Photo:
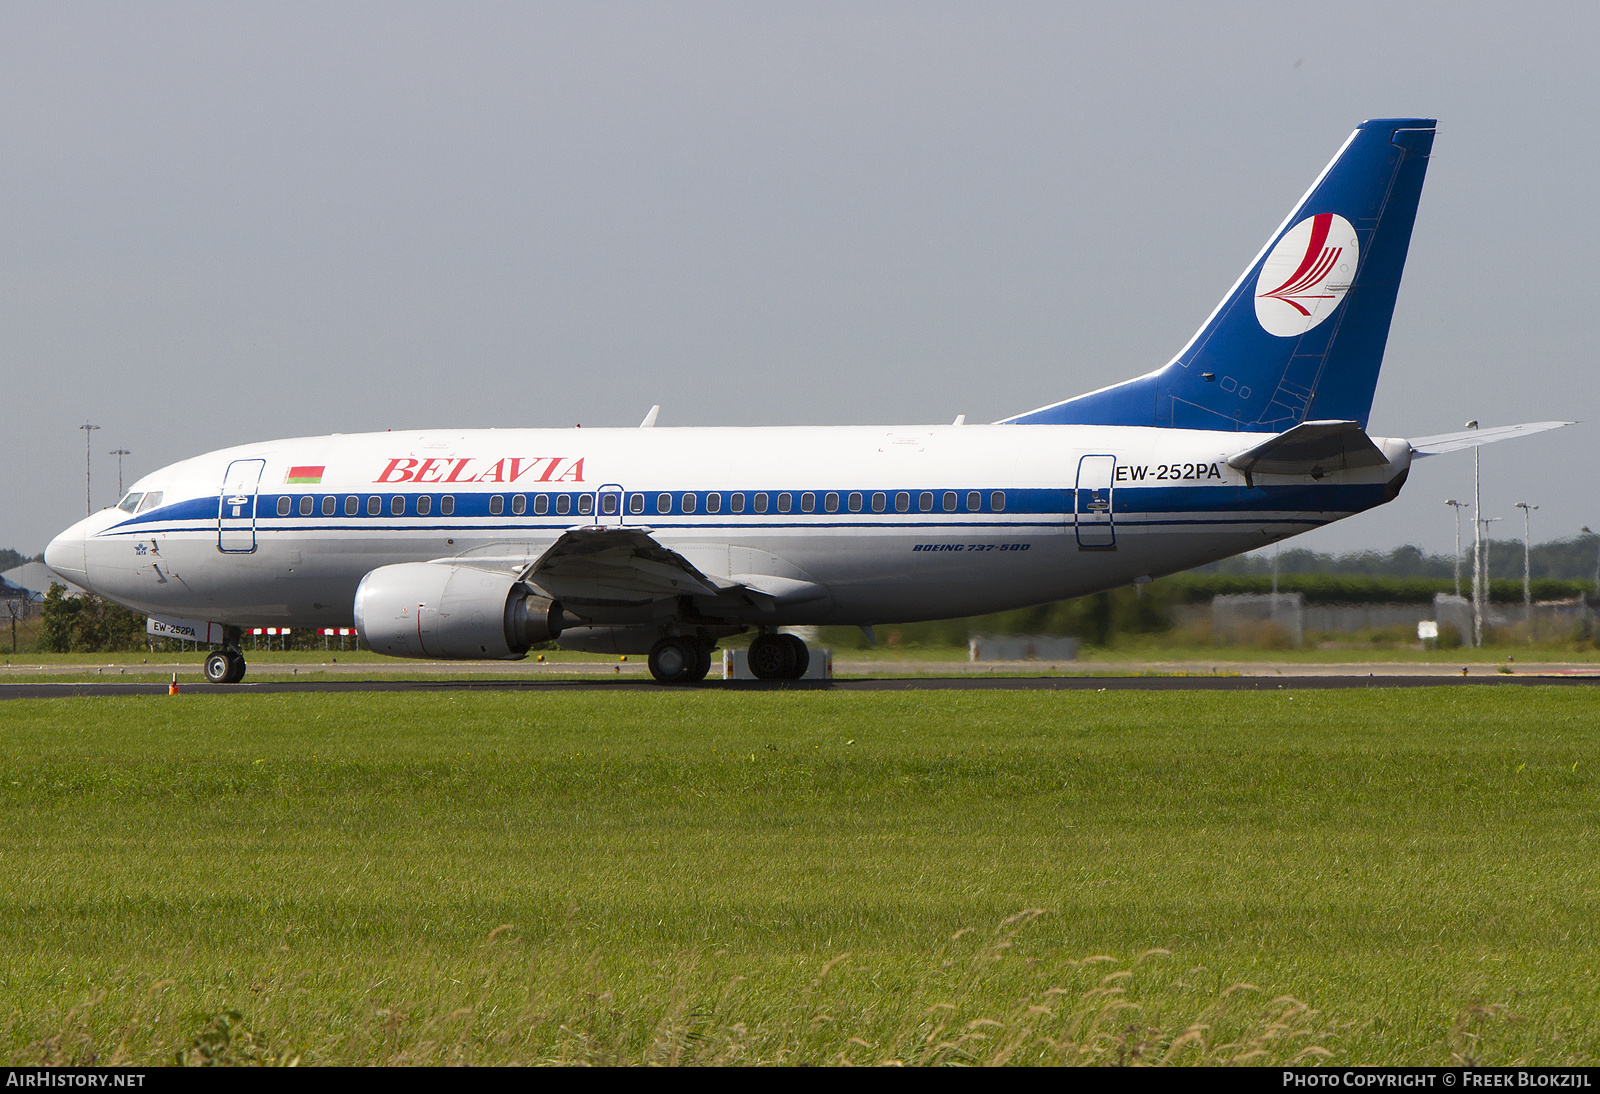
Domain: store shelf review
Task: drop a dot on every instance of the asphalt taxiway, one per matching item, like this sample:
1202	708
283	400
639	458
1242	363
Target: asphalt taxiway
41	689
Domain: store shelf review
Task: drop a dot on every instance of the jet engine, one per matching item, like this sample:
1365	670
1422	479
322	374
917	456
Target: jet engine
433	609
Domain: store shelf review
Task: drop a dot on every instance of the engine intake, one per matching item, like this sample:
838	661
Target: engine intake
433	609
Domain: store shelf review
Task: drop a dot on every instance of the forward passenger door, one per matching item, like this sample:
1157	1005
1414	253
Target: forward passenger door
236	507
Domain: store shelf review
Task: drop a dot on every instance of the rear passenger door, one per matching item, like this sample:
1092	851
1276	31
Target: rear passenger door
1093	512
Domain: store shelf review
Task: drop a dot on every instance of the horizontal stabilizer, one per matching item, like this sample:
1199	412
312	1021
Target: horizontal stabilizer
1472	438
1311	448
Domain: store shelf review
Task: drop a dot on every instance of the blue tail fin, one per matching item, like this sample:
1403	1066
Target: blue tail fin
1300	335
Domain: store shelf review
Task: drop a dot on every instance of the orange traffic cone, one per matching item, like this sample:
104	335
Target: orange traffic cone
172	688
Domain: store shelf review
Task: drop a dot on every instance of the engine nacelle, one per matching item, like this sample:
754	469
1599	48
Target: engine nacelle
433	609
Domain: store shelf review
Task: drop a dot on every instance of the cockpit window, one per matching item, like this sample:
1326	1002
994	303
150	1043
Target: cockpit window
151	500
130	504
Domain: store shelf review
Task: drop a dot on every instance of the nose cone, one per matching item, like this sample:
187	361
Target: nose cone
65	554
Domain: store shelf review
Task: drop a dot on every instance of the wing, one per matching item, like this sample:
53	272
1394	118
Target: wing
621	568
618	574
615	567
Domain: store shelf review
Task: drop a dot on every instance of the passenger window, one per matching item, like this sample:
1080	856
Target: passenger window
374	505
713	503
130	504
830	502
808	502
585	504
330	505
925	501
424	505
997	501
447	505
635	503
563	504
519	504
608	505
397	505
541	504
761	503
663	503
855	503
283	506
736	503
785	503
497	505
878	503
687	502
902	502
306	505
352	505
974	501
949	501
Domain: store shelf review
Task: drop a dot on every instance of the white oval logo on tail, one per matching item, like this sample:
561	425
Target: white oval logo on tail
1306	275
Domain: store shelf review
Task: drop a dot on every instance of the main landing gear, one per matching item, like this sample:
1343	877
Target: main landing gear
779	657
680	659
225	667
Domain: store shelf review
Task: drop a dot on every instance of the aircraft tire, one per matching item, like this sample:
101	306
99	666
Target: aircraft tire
673	660
799	658
219	668
702	662
237	672
770	657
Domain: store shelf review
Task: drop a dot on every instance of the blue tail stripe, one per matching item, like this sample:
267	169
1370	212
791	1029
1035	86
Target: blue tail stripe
1237	375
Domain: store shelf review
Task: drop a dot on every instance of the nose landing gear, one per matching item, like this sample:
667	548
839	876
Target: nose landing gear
225	667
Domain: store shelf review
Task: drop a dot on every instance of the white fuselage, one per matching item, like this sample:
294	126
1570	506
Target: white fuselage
896	523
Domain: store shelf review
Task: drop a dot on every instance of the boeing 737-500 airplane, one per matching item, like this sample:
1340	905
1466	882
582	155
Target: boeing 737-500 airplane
475	544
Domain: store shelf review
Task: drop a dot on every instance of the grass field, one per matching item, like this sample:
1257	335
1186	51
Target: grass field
695	876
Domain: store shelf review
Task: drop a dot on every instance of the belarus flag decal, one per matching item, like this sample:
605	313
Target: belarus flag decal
309	476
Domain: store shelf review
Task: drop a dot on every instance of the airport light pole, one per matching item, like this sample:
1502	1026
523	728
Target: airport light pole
1527	584
119	453
88	438
1483	584
1457	506
1477	542
1591	532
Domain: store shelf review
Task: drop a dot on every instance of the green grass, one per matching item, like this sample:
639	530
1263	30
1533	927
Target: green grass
668	876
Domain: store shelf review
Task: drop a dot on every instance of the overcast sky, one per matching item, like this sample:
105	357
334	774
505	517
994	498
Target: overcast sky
230	222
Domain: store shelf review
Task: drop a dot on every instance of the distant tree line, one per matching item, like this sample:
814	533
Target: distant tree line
10	560
1151	608
1573	559
87	624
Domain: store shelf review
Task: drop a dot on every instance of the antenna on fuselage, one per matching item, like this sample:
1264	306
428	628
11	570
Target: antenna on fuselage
650	418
